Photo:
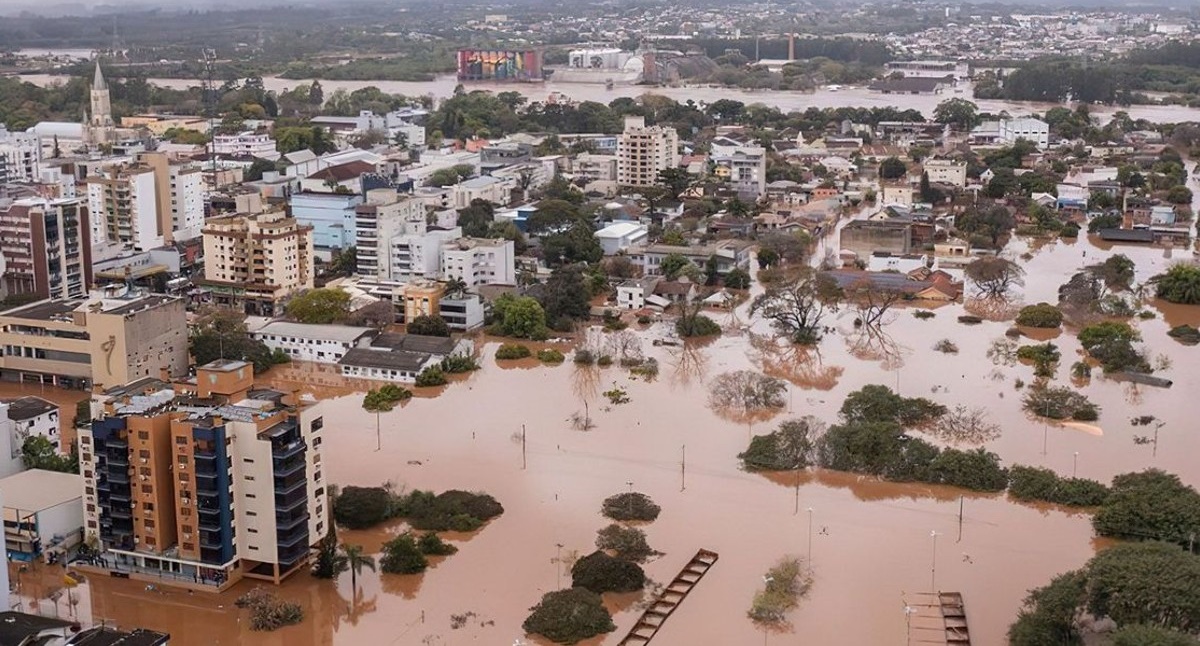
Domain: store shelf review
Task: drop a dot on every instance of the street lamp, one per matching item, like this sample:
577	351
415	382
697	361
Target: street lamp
933	563
909	611
810	521
1075	464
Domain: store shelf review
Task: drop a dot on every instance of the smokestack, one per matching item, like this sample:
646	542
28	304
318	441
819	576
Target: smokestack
791	47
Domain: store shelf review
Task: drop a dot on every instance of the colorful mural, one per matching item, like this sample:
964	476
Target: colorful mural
499	65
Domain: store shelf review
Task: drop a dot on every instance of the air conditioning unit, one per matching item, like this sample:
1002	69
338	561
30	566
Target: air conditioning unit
136	540
144	461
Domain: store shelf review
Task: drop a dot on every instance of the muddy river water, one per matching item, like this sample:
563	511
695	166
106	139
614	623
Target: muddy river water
870	541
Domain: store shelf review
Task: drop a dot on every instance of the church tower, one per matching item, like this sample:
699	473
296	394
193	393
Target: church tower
100	125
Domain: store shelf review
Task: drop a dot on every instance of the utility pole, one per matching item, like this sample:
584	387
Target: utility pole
523	461
683	470
960	516
933	563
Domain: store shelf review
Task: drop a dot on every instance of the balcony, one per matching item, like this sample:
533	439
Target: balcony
296	498
119	476
292	537
117	512
292	555
289	520
211	540
287	468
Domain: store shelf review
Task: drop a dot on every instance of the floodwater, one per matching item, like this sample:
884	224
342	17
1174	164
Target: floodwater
870	541
443	86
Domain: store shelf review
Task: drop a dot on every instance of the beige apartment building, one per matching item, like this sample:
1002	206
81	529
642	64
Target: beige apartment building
46	248
110	338
202	482
145	205
254	262
643	151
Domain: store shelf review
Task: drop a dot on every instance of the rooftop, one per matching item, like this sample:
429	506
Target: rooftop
37	489
620	230
385	358
16	627
29	407
106	636
339	333
223	365
414	343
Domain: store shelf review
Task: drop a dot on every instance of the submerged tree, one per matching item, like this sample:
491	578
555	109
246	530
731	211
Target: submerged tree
796	304
746	392
790	447
994	276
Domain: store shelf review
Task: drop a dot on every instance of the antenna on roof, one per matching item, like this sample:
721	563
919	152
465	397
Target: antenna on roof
210	106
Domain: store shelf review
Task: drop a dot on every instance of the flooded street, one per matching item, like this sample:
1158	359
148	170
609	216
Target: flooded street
443	86
870	540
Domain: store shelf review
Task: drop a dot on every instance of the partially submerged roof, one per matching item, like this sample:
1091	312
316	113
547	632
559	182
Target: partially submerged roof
37	489
29	407
16	627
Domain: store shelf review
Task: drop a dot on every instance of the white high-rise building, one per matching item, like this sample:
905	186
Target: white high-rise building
644	151
479	261
20	156
385	216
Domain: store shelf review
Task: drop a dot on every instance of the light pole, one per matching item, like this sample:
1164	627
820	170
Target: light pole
909	611
558	560
1075	464
810	519
933	562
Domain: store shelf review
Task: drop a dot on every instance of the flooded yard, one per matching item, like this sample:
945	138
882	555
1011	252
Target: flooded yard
870	541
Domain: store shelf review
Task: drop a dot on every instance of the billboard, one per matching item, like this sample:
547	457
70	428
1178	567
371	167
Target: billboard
499	65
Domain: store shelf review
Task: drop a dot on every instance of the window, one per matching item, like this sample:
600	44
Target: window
143	435
144	454
252	530
148	523
251	513
187	529
250	495
181	439
250	477
147	489
91	508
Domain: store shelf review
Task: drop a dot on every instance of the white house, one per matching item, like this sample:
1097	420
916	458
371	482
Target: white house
901	194
400	357
1007	131
316	343
479	261
620	236
33	416
246	144
946	171
631	294
487	188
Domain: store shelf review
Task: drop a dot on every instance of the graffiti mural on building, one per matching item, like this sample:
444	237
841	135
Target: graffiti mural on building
499	65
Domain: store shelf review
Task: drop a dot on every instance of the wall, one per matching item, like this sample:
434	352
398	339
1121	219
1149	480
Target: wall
60	520
254	494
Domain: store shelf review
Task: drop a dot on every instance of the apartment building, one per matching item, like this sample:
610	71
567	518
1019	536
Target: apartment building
479	261
745	168
642	152
144	205
947	171
112	337
246	144
594	167
486	188
20	156
331	215
385	215
419	256
1008	131
46	248
462	312
32	416
728	254
201	483
255	261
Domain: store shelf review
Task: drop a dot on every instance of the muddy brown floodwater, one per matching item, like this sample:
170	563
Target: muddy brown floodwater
870	540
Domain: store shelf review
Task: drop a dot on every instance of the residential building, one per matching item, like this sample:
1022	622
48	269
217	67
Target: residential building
1007	132
946	171
331	216
632	294
246	144
505	153
419	255
594	167
486	188
479	261
203	482
745	168
144	205
100	129
728	254
422	298
315	343
112	337
43	513
407	121
864	238
462	312
400	357
20	156
618	237
46	248
256	261
10	446
644	151
896	194
384	216
32	416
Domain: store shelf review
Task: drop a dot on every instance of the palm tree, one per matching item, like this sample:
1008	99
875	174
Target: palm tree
357	560
378	402
456	286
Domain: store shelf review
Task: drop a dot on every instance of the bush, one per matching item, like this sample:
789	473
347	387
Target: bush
550	355
402	556
946	346
696	325
1111	344
1042	315
428	326
269	612
977	470
457	363
1060	402
626	543
604	361
602	573
1180	284
644	320
630	506
1149	505
970	319
584	357
1146	635
1043	485
569	616
431	544
453	510
784	585
1081	370
362	507
431	376
1185	334
924	315
788	448
512	351
1043	356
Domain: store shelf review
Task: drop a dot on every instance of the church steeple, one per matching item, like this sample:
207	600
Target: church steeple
98	80
100	124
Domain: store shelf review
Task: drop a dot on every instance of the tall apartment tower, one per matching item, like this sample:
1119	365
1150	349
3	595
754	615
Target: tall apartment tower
100	128
385	216
256	261
46	248
144	205
642	152
205	482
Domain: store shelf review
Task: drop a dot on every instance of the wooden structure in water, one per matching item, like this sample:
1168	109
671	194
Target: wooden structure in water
673	594
937	618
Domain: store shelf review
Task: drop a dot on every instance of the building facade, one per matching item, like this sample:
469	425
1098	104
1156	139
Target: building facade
479	261
145	205
316	343
256	261
331	215
20	156
745	168
643	151
46	248
246	144
100	129
202	483
946	171
383	216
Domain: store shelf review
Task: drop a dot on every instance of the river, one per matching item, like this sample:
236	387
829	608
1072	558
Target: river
870	540
443	86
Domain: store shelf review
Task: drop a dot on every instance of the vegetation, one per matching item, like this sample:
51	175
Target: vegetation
1111	343
356	560
977	470
602	573
746	392
431	376
630	506
38	453
401	555
319	306
1150	505
626	543
1042	315
432	545
790	447
737	278
994	276
458	363
695	324
1185	334
520	317
362	507
1043	485
876	403
550	355
452	510
1043	356
428	325
569	616
1059	402
796	305
513	351
221	333
330	561
1180	284
269	612
784	584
